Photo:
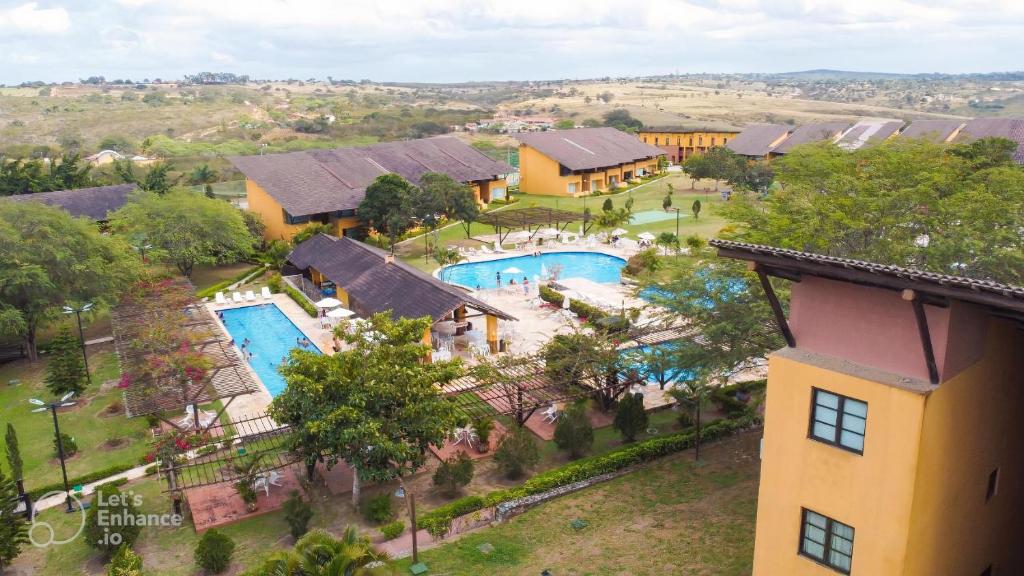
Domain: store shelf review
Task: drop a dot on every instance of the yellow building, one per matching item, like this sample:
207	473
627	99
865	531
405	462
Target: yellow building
582	161
679	143
892	424
289	191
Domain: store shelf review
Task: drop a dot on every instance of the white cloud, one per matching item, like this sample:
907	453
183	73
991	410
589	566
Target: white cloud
30	18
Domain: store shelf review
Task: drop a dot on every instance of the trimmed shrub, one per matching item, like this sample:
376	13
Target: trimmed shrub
298	513
573	432
454	473
301	300
631	418
69	444
214	551
274	283
378	509
516	453
207	292
108	523
125	563
551	296
643	261
392	530
733	400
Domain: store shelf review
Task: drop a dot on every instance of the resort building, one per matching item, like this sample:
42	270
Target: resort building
816	132
582	161
868	131
95	203
892	421
935	130
679	143
757	140
293	189
368	280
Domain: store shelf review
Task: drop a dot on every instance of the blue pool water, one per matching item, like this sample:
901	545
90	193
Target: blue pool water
590	265
271	337
635	358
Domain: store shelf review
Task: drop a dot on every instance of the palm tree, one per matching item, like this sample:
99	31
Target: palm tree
318	553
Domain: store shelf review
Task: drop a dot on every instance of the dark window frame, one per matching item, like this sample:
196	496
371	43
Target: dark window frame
839	422
829	522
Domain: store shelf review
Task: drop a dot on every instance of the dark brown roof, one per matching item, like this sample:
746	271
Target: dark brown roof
816	132
375	285
937	130
985	292
1009	128
757	139
93	203
317	181
589	148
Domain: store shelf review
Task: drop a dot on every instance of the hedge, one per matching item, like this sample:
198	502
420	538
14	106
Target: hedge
301	300
83	480
725	396
438	521
580	309
549	295
210	291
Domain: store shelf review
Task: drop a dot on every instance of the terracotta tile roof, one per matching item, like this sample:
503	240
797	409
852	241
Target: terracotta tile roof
937	130
589	148
316	181
987	292
816	132
93	203
375	285
757	139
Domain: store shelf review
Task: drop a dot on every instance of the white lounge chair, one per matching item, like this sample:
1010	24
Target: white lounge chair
275	478
486	250
236	298
188	421
220	299
250	296
551	414
265	292
261	482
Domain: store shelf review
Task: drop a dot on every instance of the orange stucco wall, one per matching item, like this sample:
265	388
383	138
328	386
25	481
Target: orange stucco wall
269	210
539	174
679	146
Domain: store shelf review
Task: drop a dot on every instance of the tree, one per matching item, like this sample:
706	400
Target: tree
516	453
565	124
377	406
13	532
465	208
157	178
666	202
309	231
718	163
445	257
65	372
186	228
13	454
573	432
276	254
298	513
388	205
47	259
109	522
117	143
621	119
25	177
319	553
630	418
692	396
202	174
607	206
125	563
695	207
214	550
454	473
667	240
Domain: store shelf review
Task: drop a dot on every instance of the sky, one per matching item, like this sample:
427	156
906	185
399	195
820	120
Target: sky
475	40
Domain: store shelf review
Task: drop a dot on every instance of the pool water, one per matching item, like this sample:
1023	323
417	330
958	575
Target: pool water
271	337
635	358
593	266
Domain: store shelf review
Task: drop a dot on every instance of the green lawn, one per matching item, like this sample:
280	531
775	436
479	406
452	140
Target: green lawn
647	202
673	517
103	440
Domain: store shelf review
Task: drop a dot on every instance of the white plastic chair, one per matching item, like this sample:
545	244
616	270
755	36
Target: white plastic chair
265	292
236	298
551	414
220	299
250	296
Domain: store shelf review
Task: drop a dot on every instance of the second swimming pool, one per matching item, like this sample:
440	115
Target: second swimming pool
593	266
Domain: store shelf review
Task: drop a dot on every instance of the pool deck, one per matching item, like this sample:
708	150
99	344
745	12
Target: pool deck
256	403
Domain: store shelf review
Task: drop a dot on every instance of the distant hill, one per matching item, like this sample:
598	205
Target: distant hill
827	74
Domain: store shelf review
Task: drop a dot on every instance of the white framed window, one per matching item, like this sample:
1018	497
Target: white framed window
572	188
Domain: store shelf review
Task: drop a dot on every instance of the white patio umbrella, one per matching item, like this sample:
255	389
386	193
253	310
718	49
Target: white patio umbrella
340	313
619	232
547	232
328	303
519	236
645	236
511	271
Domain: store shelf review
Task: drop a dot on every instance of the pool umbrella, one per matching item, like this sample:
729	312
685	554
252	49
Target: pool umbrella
520	236
619	232
340	313
511	271
328	303
645	236
547	232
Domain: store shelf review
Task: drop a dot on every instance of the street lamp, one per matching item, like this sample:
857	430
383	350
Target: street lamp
81	336
141	249
677	223
52	407
401	493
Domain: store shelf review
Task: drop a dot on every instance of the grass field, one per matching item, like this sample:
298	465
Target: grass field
673	517
647	201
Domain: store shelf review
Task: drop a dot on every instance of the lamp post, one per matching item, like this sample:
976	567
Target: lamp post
402	492
81	336
677	223
52	407
141	249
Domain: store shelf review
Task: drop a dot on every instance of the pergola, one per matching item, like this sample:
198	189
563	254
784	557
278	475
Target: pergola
518	390
226	378
532	219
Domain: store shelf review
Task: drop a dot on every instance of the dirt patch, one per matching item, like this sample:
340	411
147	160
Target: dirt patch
113	409
113	443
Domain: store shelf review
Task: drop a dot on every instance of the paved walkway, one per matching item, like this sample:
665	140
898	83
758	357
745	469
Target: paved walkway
402	546
58	499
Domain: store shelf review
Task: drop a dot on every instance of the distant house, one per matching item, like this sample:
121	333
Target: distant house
582	161
680	142
935	130
815	132
758	140
291	190
1009	128
110	156
368	280
95	203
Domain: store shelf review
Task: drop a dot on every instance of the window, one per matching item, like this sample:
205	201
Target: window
289	219
700	140
691	141
712	140
572	188
993	485
838	420
826	541
655	140
628	175
645	139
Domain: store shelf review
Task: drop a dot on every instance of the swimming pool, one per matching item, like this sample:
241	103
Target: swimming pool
271	337
654	367
593	266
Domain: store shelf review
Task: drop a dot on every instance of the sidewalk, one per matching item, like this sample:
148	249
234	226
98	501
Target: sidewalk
402	546
55	500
